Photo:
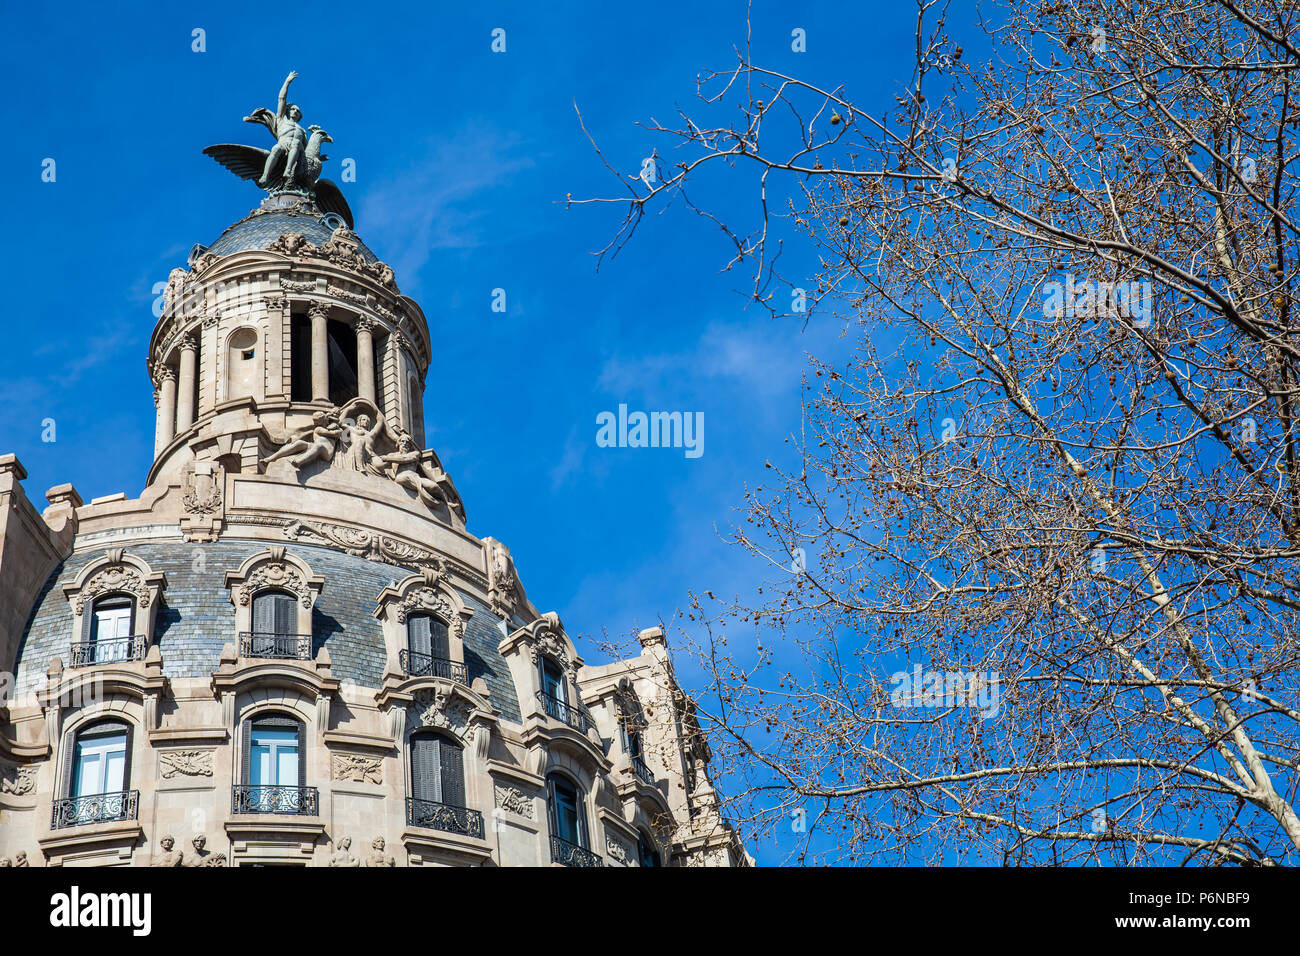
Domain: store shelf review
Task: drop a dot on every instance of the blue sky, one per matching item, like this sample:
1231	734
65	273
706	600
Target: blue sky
464	158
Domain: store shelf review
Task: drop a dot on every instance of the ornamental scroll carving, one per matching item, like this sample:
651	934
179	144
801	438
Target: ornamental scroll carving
357	768
115	578
185	763
514	801
279	576
17	780
617	850
427	599
437	708
341	249
363	544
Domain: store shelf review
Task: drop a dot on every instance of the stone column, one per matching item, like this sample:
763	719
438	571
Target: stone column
366	359
320	352
166	406
189	362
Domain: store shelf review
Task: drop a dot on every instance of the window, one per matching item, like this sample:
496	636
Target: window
300	357
274	767
109	638
437	770
243	372
342	343
553	681
567	821
427	638
275	623
645	851
96	774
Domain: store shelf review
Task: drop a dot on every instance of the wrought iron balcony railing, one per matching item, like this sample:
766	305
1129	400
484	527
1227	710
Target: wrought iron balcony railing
440	816
567	713
415	664
106	650
275	645
95	808
570	854
642	771
294	800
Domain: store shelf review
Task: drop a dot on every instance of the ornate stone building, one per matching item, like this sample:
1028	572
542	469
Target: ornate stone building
290	649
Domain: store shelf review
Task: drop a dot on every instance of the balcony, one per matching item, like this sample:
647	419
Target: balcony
302	801
273	645
642	771
570	854
565	713
96	808
440	816
415	664
111	650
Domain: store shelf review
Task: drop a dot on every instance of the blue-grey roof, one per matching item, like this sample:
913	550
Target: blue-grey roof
196	618
260	230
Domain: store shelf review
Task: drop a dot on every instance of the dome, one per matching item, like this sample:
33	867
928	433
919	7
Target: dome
269	222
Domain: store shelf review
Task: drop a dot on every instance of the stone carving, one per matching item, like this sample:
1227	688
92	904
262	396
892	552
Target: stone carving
202	857
617	850
514	801
427	599
113	578
17	780
358	768
438	708
377	856
202	504
290	286
185	763
411	469
343	855
169	855
293	165
20	860
502	581
276	303
279	576
363	544
321	440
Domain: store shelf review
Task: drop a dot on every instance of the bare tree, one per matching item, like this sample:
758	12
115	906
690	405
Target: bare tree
1036	548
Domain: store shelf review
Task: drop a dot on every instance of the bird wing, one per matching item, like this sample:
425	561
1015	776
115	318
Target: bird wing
330	198
266	118
246	162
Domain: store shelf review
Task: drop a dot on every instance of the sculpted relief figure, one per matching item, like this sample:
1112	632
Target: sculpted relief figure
377	856
314	442
169	856
343	855
201	855
359	438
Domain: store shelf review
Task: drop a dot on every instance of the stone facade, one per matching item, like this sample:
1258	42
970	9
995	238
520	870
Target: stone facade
280	471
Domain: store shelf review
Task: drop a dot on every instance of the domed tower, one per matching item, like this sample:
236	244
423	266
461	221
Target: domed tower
291	641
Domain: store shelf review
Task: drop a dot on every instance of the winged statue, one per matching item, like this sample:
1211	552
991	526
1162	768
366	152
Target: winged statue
293	164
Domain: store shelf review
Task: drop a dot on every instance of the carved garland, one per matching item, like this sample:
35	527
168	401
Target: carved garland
185	763
111	579
440	709
514	801
275	575
427	599
363	544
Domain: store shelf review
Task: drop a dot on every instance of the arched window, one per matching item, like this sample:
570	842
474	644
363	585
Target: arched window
275	623
568	819
273	767
108	636
429	646
437	800
242	367
646	851
96	776
553	683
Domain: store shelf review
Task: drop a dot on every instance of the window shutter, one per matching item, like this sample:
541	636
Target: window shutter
246	753
419	636
69	752
286	620
87	623
453	774
425	768
263	613
302	753
439	640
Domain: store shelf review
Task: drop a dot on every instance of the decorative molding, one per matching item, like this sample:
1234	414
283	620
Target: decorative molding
115	577
275	573
357	767
617	850
290	286
439	708
185	763
17	780
514	801
363	544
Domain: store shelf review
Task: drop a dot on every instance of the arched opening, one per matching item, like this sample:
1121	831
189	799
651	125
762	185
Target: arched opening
108	633
275	628
97	776
646	853
242	364
428	643
273	767
568	819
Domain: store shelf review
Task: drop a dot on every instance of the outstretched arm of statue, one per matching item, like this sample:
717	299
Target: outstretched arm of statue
282	103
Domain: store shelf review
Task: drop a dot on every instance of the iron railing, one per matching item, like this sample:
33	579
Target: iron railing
570	854
275	645
95	808
642	771
441	816
304	801
415	664
106	650
567	713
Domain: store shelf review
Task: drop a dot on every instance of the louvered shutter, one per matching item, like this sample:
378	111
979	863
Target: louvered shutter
425	782
419	637
246	753
453	774
439	640
263	614
286	621
302	753
69	753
